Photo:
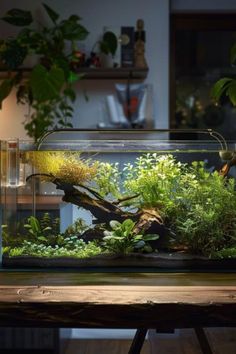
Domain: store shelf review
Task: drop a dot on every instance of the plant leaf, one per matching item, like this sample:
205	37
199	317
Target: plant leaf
42	238
114	224
232	92
104	47
18	17
111	40
127	226
70	93
73	77
233	54
72	30
46	85
220	87
150	237
5	90
13	54
74	18
51	13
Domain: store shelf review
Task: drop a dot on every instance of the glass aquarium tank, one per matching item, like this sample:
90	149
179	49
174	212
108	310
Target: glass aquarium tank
119	199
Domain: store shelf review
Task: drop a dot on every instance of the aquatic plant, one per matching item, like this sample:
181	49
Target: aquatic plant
5	235
153	177
198	206
108	179
123	239
34	228
225	253
82	250
77	228
45	230
206	221
66	166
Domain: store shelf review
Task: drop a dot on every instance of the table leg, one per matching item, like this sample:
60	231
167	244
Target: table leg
138	341
203	341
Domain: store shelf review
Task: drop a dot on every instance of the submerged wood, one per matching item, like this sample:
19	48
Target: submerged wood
103	210
225	169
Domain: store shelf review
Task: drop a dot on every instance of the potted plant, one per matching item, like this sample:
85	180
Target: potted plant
226	85
108	47
48	88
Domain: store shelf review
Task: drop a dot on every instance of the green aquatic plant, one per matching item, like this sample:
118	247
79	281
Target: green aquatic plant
108	179
45	240
224	253
35	229
78	227
48	221
157	180
206	221
198	206
5	235
63	165
45	230
82	250
123	239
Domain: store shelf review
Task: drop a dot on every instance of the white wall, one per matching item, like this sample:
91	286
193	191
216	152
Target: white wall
155	14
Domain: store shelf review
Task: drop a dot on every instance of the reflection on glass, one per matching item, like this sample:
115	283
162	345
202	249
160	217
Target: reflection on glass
201	58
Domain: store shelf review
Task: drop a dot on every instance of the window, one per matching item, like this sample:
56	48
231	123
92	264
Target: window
200	55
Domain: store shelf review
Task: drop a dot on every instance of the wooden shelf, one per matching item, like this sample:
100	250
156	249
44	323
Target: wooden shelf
114	73
100	73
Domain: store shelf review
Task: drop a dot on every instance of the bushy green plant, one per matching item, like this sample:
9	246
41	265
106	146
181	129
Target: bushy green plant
48	90
207	218
198	206
156	179
34	228
48	221
44	230
77	228
108	179
122	239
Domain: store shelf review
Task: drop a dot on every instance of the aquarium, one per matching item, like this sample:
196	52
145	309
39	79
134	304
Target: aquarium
119	199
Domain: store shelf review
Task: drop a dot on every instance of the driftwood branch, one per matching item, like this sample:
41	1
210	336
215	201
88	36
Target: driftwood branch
225	169
103	210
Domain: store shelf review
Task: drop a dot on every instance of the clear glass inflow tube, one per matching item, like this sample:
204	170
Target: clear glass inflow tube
15	169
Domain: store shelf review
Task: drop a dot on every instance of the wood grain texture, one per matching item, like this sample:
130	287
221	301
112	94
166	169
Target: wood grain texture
119	304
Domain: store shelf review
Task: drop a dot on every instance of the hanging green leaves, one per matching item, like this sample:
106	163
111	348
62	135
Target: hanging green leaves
18	17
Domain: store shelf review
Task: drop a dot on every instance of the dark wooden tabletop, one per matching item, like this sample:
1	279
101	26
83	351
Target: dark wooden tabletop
117	300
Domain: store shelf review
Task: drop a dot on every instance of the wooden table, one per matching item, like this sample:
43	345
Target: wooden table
117	300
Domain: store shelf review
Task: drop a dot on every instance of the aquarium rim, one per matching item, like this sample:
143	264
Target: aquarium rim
212	133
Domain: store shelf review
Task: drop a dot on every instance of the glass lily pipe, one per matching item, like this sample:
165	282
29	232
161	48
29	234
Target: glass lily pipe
123	199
